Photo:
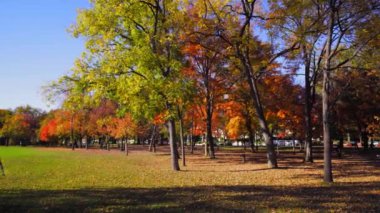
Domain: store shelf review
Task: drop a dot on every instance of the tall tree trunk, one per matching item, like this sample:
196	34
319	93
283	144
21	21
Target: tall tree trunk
327	167
340	146
209	138
126	147
152	146
181	137
255	140
209	112
307	109
248	124
86	142
364	138
72	132
271	155
173	145
192	144
108	143
160	139
206	144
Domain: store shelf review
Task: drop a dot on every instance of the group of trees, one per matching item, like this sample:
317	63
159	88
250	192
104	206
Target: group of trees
20	126
223	68
80	127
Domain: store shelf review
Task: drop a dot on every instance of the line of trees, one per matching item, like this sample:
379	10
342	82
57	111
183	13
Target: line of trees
227	68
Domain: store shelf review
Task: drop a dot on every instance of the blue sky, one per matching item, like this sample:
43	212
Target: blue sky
35	47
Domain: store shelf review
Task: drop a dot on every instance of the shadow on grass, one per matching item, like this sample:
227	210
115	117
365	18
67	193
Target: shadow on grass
349	197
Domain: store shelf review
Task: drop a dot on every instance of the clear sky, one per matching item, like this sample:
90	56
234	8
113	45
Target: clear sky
35	47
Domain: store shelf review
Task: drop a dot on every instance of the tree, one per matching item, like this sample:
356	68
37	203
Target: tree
133	57
344	18
302	22
4	115
209	76
48	130
329	36
353	110
253	56
22	126
123	128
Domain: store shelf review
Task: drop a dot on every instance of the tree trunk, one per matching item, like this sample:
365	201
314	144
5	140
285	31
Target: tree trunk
327	167
209	138
192	144
257	144
271	155
364	138
152	146
307	110
160	139
107	143
72	132
126	147
209	112
248	124
87	142
206	145
340	146
137	140
181	138
173	145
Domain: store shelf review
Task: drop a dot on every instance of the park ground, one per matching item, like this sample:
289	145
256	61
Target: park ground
61	180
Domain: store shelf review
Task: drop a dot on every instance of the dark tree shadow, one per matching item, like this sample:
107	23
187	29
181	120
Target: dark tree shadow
347	197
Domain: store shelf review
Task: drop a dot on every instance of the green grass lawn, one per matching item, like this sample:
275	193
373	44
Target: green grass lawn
48	179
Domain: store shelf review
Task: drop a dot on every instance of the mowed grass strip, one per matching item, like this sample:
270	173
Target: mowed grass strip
51	179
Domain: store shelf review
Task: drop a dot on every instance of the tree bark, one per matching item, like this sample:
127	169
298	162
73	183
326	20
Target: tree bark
72	132
107	143
364	138
327	167
152	145
87	142
192	135
340	146
173	145
126	147
307	110
248	124
161	141
209	112
271	155
181	138
209	138
206	144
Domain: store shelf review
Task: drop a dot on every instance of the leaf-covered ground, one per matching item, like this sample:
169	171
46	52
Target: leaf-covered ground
57	179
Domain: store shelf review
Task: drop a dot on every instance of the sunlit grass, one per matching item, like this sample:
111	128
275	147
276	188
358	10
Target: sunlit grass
110	181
